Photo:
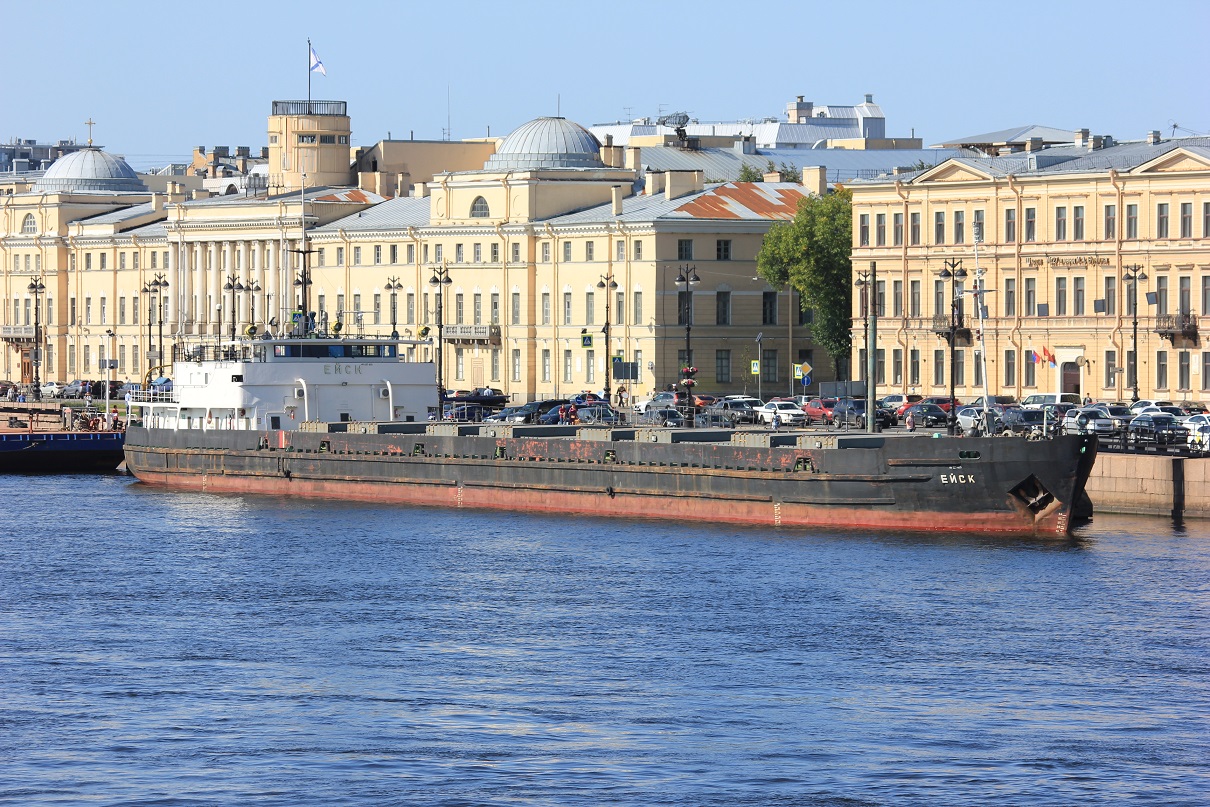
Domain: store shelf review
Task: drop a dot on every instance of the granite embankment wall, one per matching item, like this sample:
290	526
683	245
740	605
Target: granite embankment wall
1152	484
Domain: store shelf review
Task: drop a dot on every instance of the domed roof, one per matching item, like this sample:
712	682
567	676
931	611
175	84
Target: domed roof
90	170
548	143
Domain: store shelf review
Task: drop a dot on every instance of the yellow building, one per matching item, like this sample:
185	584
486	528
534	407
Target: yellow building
1057	237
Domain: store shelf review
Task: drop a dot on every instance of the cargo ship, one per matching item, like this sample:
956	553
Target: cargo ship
350	419
54	452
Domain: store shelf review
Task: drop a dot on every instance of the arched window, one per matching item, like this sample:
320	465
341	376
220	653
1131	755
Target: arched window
479	208
28	225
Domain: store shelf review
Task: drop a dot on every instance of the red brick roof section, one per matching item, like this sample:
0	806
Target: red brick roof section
746	200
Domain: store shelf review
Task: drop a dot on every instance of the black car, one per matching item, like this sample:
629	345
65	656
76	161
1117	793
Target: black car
926	415
530	412
1159	428
1025	421
851	412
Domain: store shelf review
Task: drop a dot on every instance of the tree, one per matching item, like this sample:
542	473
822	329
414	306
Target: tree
789	173
811	253
749	174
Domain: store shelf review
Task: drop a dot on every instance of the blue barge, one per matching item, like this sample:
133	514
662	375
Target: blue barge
60	452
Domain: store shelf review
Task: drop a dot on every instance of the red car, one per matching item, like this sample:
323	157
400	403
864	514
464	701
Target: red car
819	409
941	400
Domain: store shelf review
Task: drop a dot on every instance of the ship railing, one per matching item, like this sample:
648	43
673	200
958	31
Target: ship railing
152	396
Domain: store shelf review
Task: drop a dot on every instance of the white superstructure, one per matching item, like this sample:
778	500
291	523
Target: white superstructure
282	382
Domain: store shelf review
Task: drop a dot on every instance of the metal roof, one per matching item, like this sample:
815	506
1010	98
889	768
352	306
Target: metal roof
843	165
393	214
1017	134
120	215
742	201
547	143
90	170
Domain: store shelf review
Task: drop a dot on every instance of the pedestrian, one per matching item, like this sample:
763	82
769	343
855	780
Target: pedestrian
910	421
775	422
1088	400
572	416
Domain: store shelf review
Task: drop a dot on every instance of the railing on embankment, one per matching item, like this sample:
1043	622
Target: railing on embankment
1152	484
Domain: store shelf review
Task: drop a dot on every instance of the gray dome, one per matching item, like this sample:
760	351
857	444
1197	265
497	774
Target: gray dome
548	143
90	170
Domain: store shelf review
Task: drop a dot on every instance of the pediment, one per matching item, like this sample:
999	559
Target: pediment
952	171
1178	160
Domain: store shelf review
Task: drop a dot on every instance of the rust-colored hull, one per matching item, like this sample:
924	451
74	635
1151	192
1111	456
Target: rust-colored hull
893	484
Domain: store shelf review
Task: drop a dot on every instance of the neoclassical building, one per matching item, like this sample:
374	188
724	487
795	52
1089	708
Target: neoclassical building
1063	239
541	266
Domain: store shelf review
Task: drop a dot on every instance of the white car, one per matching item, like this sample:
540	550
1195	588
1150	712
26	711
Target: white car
658	401
789	413
51	389
1199	437
1088	421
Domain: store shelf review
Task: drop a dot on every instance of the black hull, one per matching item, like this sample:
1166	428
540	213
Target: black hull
894	482
60	452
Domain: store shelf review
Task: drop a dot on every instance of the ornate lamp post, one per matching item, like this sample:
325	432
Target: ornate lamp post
252	287
439	280
953	272
233	285
687	274
393	286
1133	275
155	287
868	283
302	282
609	285
37	287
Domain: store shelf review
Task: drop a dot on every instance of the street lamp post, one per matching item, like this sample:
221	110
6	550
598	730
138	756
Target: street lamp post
302	282
252	287
1134	275
393	286
953	272
687	274
868	283
37	287
439	280
233	285
609	285
110	364
155	287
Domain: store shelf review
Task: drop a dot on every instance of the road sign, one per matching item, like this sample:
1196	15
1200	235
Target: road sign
797	371
806	368
756	368
806	381
585	340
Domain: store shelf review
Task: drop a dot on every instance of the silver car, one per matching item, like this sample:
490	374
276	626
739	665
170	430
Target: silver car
1090	420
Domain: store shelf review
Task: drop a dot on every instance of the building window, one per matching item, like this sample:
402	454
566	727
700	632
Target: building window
684	249
768	365
590	250
459	363
1184	293
880	230
1111	296
897	366
516	252
1060	223
939	227
638	250
1031	297
621	251
637	300
590	366
1132	223
914	298
863	230
546	308
516	364
722	249
914	367
897	229
411	253
769	308
459	255
684	308
546	252
1205	231
479	208
357	256
1161	221
1060	297
1077	222
1111	222
1161	369
546	365
567	252
516	308
1031	224
495	364
1131	369
567	308
959	227
619	308
377	309
1186	224
938	368
477	309
103	261
121	261
377	253
1161	296
1010	368
722	308
495	308
915	229
121	310
1111	369
722	366
410	309
1077	296
590	308
897	298
477	253
1010	297
395	253
566	366
340	256
1031	368
29	226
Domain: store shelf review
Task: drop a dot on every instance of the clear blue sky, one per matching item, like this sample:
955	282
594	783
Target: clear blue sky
161	78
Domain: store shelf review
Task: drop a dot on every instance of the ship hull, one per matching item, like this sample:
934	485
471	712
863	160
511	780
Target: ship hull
894	483
60	452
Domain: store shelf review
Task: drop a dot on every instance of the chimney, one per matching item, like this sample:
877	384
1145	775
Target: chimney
242	151
157	201
1081	138
618	194
655	183
771	176
1097	142
420	190
815	180
1034	144
264	152
201	193
869	99
1153	137
632	158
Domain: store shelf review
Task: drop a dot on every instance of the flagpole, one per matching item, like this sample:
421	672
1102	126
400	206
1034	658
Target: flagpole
309	71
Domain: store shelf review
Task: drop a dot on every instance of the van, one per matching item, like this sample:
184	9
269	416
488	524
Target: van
1038	400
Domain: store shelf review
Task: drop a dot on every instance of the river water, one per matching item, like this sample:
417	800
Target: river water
186	649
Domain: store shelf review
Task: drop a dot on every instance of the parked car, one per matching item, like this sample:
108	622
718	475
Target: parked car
133	387
1193	407
530	412
660	399
788	412
994	400
1138	406
704	399
1038	400
600	413
76	389
898	401
852	412
1199	438
819	410
465	412
1025	422
926	415
1120	415
1089	420
713	419
737	410
51	389
941	400
664	416
970	417
506	415
1158	428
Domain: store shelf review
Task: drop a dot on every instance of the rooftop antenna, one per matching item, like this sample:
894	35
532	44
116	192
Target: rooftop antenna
90	123
558	105
449	132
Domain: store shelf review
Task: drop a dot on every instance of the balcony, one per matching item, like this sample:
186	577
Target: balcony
1177	326
472	333
17	333
943	326
326	108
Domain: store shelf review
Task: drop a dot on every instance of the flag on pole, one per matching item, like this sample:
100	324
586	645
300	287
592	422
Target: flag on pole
316	64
